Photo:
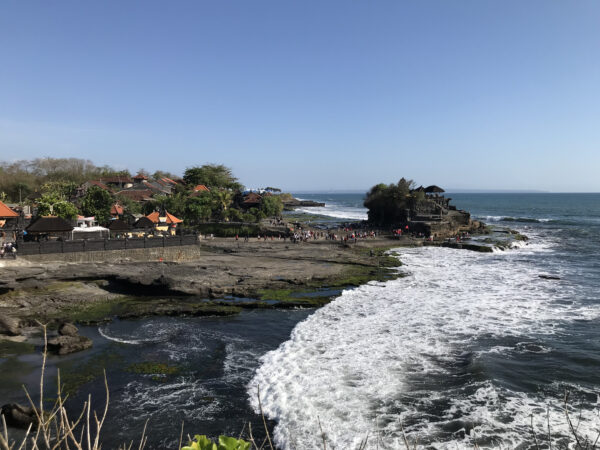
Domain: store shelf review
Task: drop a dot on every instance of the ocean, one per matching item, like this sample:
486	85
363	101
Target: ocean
467	348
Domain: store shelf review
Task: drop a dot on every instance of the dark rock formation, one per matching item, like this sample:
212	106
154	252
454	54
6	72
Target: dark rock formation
19	416
68	329
295	203
9	326
549	277
64	345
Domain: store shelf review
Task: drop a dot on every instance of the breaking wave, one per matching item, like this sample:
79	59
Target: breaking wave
415	354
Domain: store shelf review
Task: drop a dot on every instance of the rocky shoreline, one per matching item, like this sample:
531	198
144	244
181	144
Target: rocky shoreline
229	277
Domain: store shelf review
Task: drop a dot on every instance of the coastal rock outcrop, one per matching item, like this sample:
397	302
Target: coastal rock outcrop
549	277
63	345
68	329
19	416
9	326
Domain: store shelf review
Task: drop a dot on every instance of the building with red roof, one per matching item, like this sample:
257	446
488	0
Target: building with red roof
6	212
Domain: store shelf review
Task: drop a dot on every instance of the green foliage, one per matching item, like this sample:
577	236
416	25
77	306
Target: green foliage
225	443
129	205
175	204
229	229
21	178
97	202
235	215
63	189
56	205
198	209
163	174
387	204
271	205
213	176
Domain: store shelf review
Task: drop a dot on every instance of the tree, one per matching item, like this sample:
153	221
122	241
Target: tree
97	202
53	204
213	176
132	207
198	209
388	204
163	174
271	205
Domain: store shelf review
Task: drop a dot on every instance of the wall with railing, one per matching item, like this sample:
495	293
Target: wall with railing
95	245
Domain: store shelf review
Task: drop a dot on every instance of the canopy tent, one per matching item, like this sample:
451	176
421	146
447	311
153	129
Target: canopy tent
93	232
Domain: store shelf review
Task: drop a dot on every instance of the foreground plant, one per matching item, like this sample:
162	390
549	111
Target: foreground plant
224	443
53	429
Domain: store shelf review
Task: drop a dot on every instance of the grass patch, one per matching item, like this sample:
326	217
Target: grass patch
353	275
12	348
158	371
300	296
94	313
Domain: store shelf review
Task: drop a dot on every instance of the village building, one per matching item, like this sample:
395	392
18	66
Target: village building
164	222
88	228
251	200
117	182
119	229
116	210
49	228
81	190
136	195
143	226
9	221
139	179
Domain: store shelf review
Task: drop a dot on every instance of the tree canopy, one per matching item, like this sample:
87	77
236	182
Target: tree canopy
213	176
388	204
271	205
97	202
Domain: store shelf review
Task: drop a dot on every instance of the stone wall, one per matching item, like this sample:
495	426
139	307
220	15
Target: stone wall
177	254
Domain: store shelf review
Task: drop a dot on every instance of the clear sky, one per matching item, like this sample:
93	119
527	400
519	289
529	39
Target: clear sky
310	94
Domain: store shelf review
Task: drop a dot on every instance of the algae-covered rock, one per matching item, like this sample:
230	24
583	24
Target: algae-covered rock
67	329
64	345
9	326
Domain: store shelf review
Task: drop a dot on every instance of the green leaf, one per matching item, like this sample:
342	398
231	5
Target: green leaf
229	443
201	443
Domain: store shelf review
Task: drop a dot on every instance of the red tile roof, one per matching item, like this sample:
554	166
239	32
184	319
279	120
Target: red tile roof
6	212
100	184
117	179
170	217
136	195
201	187
252	198
116	210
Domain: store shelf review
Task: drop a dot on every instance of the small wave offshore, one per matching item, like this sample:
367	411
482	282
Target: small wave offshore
409	356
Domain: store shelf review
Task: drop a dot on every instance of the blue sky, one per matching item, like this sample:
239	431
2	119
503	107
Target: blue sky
310	94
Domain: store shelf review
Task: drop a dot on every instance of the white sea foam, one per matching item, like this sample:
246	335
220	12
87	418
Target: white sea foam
182	395
384	355
146	333
336	210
